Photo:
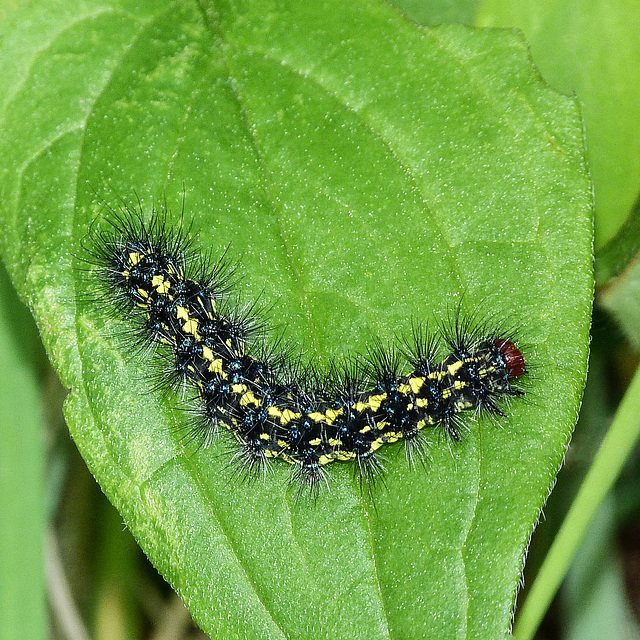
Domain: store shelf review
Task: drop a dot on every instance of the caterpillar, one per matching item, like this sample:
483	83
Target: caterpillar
274	406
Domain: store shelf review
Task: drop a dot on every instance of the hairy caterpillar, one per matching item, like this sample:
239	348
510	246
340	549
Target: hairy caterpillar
275	407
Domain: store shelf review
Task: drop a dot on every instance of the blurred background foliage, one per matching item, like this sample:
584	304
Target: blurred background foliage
79	582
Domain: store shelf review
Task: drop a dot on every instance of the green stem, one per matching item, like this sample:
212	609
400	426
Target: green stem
612	454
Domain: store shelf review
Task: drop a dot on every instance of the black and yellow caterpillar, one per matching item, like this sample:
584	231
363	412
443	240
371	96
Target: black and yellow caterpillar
274	408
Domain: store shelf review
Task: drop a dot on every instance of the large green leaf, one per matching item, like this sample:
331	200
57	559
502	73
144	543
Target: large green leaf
591	47
365	172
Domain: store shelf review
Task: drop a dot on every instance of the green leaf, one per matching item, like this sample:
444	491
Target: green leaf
621	252
366	173
621	297
592	48
435	12
22	462
617	273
